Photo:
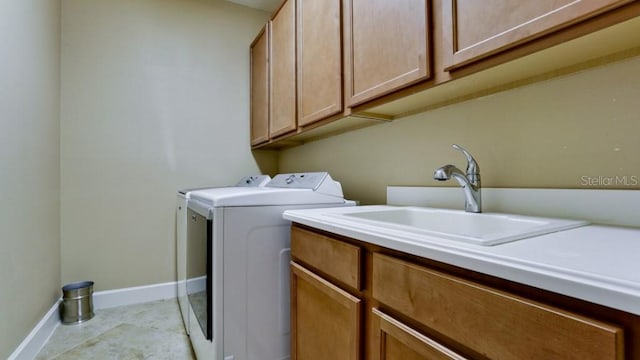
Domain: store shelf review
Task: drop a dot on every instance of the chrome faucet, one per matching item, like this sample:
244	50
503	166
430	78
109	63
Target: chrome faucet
470	182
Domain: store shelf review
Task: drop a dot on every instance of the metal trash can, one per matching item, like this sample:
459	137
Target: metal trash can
77	302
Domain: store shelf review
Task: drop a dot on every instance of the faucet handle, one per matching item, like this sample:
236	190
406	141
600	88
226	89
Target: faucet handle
472	165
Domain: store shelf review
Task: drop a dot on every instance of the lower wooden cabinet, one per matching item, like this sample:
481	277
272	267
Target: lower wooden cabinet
491	322
405	308
396	340
336	259
325	319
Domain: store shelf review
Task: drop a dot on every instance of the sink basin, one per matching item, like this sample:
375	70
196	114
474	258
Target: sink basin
477	228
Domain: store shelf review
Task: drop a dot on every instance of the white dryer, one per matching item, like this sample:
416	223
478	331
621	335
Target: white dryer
238	281
181	237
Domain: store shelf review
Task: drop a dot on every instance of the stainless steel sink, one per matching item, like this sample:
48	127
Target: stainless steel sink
476	228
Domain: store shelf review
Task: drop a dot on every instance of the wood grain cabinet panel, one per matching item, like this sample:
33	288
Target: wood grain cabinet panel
398	341
259	51
334	258
319	35
282	60
477	29
325	320
495	324
386	46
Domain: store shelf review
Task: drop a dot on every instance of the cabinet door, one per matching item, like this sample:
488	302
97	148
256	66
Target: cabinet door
325	320
282	62
477	29
398	341
260	88
319	60
386	46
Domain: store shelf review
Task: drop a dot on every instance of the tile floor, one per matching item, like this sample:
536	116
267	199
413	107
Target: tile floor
151	330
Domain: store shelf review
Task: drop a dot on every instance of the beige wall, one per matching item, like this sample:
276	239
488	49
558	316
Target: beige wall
570	132
154	98
29	166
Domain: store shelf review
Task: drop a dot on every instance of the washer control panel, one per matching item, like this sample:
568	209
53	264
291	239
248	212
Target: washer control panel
320	182
254	181
310	180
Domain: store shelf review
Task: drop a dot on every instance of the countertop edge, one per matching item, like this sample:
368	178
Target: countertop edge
603	291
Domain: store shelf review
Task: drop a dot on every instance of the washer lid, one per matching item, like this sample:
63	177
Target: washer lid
284	189
262	197
247	181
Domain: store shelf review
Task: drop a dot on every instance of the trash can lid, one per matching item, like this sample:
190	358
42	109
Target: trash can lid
77	285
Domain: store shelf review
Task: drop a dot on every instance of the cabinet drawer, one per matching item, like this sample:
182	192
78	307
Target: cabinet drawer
493	323
335	258
399	341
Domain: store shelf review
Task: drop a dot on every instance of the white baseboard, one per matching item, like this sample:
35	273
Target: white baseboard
31	345
38	337
197	284
134	295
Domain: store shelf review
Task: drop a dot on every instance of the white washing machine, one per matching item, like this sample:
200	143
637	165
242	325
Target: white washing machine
181	237
238	280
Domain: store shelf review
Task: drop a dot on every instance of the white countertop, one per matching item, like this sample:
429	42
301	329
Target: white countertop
596	263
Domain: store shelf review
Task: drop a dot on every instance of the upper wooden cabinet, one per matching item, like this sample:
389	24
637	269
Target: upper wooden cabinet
386	47
282	77
319	60
260	88
331	66
477	29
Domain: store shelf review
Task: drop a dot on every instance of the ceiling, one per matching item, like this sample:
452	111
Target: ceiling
266	5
